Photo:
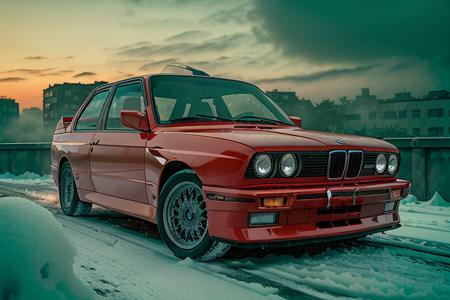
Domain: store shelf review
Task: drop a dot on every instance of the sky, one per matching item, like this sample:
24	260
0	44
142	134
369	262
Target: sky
319	49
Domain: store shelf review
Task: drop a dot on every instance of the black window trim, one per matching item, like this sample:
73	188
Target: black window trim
94	93
106	107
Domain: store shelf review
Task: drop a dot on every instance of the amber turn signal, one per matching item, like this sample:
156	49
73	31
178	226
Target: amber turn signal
396	194
274	201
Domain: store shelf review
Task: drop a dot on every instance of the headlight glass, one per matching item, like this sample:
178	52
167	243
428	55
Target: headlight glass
263	165
288	164
392	164
380	164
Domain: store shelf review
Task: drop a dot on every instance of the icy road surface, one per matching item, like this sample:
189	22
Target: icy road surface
121	257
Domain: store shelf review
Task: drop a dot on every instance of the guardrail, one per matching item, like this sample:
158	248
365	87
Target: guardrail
18	158
425	161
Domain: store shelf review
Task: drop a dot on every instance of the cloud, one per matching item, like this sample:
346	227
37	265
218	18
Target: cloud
84	74
218	44
12	79
157	22
320	75
159	63
57	73
238	14
169	2
29	71
188	35
356	31
38	72
35	57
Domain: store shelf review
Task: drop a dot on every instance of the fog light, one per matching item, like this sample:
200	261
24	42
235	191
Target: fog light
389	206
263	218
273	201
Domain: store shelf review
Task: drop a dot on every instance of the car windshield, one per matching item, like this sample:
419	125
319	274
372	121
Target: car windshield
204	99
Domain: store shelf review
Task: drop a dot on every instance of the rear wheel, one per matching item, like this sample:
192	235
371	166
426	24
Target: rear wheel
71	204
183	219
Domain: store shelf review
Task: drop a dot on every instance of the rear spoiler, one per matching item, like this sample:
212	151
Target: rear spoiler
63	123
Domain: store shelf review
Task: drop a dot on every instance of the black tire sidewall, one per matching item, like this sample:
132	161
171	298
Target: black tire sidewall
205	245
62	179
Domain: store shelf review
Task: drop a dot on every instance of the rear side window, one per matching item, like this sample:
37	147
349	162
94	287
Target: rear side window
88	119
126	97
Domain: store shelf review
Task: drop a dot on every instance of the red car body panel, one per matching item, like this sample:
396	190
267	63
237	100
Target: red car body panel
124	171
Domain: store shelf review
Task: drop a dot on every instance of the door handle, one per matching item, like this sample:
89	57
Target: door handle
95	142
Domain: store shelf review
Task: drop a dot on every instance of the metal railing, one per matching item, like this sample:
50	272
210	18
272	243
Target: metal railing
18	158
425	161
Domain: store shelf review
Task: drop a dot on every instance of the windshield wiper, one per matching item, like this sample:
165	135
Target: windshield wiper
214	117
186	119
198	118
259	119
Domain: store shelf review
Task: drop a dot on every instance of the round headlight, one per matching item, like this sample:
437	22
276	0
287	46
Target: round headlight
392	164
288	165
262	165
380	164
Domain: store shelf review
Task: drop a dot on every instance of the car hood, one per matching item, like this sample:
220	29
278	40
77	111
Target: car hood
279	138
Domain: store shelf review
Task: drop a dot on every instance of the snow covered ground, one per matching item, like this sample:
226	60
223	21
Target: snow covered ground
120	257
36	257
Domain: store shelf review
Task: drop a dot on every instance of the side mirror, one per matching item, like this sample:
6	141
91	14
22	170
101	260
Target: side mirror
134	119
296	120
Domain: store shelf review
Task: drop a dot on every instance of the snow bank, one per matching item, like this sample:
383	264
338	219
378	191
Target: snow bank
26	178
35	256
436	200
425	220
436	205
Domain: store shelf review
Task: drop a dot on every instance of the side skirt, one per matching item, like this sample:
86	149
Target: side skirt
127	207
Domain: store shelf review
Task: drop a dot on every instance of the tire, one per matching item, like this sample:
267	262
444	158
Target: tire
182	206
71	204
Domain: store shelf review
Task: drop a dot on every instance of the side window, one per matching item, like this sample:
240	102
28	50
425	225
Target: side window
88	119
126	97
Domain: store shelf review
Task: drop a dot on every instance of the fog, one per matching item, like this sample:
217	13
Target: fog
27	128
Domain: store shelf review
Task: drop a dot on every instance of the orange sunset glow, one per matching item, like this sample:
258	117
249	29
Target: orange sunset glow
47	42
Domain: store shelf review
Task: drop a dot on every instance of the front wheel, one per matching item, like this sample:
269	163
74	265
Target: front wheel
183	219
71	204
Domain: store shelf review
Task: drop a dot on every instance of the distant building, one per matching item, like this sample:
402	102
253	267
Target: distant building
440	94
290	102
32	112
282	96
401	116
366	97
64	99
403	96
9	111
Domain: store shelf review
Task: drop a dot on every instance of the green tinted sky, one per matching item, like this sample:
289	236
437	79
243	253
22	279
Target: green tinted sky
321	49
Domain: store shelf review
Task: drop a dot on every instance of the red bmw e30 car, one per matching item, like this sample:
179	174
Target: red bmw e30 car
215	163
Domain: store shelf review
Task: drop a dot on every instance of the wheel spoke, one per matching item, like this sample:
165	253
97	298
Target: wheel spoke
186	215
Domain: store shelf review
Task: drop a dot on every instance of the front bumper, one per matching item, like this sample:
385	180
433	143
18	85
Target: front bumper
309	215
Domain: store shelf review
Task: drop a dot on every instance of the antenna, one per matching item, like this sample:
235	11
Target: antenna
183	70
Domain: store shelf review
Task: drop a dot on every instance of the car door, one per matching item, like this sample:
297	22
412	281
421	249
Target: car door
78	142
117	159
